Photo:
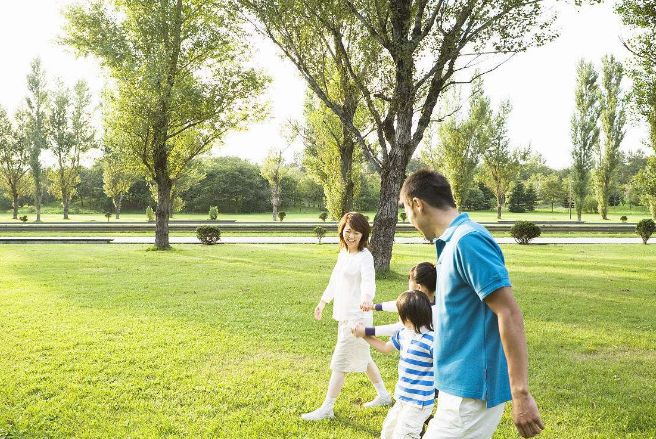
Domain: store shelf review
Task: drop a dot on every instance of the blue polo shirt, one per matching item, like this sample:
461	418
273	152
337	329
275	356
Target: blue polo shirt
469	357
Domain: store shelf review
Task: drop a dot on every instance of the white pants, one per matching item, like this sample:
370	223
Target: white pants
463	418
405	421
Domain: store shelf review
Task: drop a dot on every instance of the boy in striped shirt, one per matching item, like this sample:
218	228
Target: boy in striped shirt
415	391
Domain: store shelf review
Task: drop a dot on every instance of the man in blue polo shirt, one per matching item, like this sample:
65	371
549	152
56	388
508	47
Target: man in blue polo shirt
481	358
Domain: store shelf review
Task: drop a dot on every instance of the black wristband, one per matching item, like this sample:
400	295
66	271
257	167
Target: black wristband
378	307
370	331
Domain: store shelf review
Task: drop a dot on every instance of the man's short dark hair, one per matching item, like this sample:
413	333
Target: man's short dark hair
429	186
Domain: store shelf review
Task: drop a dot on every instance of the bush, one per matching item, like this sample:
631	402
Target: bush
214	213
320	232
524	231
403	216
623	218
150	214
323	216
208	235
282	215
645	228
23	218
590	205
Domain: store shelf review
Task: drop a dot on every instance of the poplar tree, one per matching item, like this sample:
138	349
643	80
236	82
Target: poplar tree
14	159
36	118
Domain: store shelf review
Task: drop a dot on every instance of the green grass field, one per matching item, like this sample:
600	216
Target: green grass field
117	341
52	214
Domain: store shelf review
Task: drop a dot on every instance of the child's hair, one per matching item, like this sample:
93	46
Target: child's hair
414	307
359	223
424	274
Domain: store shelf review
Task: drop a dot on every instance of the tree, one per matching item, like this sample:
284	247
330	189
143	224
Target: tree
640	16
418	46
461	143
117	179
180	82
273	170
584	131
645	185
613	119
14	159
330	157
517	198
230	182
500	163
551	189
90	190
70	134
37	107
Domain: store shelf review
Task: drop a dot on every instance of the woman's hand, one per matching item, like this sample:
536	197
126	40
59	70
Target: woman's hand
367	305
318	310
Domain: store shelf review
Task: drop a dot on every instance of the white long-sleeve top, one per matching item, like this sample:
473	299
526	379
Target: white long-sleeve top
352	282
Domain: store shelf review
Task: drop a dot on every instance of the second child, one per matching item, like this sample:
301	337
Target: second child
415	391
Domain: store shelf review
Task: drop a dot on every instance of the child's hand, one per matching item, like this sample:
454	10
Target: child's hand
318	310
358	330
366	305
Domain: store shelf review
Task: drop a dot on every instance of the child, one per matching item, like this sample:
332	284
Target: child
422	277
414	392
352	287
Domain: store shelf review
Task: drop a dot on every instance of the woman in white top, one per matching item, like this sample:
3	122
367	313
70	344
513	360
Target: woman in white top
352	287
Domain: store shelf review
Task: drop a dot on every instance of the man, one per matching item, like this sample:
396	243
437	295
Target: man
481	358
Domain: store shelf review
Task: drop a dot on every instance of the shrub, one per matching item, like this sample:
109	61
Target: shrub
590	205
214	213
150	214
323	216
282	215
645	228
524	231
208	235
108	215
623	218
403	216
320	232
23	218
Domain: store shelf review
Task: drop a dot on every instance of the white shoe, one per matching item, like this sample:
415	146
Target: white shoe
379	401
318	414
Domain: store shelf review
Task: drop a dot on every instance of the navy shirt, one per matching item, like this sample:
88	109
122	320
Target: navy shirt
469	357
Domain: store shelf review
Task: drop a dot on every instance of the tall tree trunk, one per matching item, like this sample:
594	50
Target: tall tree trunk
652	208
382	237
346	168
275	200
37	197
66	200
498	208
602	199
14	203
117	205
162	212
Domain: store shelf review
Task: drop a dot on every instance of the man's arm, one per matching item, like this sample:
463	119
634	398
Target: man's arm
525	412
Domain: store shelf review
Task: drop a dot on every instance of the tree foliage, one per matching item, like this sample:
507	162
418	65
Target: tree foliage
180	82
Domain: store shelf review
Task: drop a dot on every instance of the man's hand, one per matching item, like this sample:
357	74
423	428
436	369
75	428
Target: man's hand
526	416
358	330
367	305
318	310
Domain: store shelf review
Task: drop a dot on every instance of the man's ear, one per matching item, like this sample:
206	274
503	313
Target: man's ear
418	205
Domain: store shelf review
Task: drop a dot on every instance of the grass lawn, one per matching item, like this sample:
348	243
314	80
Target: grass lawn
116	341
53	214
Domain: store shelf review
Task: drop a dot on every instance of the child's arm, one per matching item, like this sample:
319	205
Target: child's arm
386	306
360	330
380	345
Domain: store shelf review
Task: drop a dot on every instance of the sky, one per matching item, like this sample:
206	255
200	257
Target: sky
539	83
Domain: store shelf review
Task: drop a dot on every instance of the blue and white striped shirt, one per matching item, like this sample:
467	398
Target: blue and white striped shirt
416	384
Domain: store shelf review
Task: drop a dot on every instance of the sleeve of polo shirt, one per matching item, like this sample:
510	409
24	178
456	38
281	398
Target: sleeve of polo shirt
480	263
395	340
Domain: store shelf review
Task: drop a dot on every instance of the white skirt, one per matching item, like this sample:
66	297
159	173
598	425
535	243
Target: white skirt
351	353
